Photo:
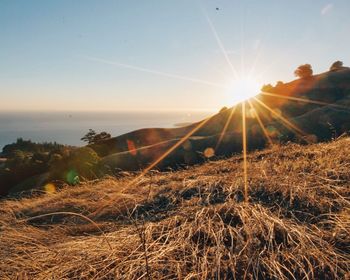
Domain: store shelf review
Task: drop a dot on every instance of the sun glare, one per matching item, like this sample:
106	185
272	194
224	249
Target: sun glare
243	89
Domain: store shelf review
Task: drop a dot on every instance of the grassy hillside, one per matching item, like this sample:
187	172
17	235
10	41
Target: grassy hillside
192	223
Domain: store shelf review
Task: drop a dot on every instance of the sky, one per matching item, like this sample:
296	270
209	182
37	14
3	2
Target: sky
114	55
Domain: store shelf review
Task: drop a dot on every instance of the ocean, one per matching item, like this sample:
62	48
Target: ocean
68	127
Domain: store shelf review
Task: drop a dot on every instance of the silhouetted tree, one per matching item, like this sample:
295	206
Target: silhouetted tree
92	137
29	146
89	137
101	136
303	71
267	88
336	66
223	109
279	84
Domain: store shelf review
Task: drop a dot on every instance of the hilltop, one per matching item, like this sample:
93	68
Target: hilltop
192	223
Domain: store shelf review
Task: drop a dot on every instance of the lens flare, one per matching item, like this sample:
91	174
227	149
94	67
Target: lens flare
209	152
50	188
72	177
222	135
131	147
257	117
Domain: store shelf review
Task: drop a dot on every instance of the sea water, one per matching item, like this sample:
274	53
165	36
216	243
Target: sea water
68	127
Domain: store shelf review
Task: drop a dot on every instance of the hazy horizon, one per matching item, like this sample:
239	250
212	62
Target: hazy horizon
68	127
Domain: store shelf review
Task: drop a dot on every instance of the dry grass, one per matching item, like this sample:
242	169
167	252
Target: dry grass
192	224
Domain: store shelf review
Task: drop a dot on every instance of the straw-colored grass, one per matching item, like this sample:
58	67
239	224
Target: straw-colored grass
193	223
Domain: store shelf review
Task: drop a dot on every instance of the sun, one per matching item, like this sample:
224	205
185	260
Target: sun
242	89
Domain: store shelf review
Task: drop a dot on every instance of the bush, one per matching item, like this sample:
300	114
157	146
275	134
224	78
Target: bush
338	65
304	71
91	137
267	88
80	163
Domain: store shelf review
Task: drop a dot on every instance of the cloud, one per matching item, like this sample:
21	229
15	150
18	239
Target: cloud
326	9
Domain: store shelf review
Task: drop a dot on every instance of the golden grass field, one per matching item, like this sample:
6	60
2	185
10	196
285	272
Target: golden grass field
191	223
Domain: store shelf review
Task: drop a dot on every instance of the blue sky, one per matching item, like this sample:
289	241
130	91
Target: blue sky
91	55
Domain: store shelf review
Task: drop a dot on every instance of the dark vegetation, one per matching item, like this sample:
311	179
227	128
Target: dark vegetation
304	71
25	160
31	165
91	137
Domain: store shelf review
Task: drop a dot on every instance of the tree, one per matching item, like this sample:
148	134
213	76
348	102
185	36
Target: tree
279	84
303	71
80	163
101	137
267	88
83	161
223	109
336	66
92	137
89	137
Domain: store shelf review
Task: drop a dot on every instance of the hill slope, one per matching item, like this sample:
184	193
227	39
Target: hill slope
191	224
329	87
320	121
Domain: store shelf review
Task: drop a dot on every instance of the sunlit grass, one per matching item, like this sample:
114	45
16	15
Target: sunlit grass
192	222
244	143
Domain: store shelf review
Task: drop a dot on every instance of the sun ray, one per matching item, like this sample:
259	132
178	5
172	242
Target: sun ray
287	123
164	74
225	127
255	62
220	44
260	123
244	142
242	51
281	57
258	53
264	35
298	99
154	164
174	147
260	48
201	124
